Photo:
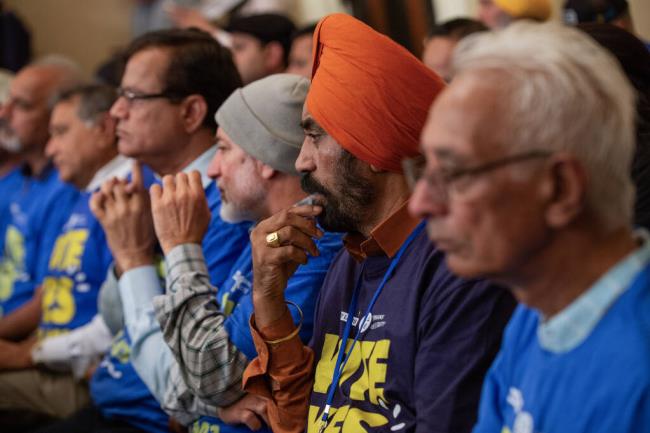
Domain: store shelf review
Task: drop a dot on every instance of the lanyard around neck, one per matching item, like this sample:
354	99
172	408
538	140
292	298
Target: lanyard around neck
343	357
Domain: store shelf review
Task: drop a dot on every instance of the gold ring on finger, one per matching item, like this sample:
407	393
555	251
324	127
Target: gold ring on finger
273	240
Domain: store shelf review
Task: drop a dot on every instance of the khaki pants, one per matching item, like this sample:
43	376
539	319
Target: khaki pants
54	394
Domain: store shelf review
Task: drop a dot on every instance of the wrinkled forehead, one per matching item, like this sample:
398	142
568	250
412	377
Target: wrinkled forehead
465	122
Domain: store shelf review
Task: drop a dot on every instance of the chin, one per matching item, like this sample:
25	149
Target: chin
464	268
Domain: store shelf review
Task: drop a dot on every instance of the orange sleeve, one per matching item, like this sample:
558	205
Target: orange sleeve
282	373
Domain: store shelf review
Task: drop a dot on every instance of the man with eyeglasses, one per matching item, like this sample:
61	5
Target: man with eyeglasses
399	344
174	82
527	183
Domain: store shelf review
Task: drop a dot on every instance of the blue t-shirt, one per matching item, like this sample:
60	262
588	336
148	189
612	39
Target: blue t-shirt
600	386
38	210
9	184
116	388
76	271
237	303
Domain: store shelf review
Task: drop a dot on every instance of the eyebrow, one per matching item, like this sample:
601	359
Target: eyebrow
309	124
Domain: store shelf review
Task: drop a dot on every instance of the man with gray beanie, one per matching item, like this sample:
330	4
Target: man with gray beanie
206	327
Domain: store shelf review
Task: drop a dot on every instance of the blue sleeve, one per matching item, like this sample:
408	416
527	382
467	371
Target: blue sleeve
490	417
302	289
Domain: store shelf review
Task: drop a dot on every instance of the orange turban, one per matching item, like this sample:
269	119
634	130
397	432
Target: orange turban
369	93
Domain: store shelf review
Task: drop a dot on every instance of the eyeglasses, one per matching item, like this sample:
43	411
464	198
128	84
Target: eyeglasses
444	183
131	95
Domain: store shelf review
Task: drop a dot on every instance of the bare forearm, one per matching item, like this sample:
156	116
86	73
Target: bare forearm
23	321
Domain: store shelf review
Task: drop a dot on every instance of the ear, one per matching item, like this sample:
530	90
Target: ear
274	56
566	188
265	170
105	128
194	108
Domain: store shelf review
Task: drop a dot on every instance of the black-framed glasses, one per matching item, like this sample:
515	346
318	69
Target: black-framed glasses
131	95
444	183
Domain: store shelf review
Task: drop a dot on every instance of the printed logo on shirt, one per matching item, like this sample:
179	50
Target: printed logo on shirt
204	427
523	421
120	352
377	321
58	291
363	379
12	265
241	287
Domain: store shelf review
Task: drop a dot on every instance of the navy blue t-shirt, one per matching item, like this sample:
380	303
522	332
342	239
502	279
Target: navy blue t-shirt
421	360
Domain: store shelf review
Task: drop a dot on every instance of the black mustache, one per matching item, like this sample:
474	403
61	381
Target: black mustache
312	186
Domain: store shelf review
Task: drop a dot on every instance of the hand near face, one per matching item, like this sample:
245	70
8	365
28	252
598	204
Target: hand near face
247	411
273	265
124	211
180	210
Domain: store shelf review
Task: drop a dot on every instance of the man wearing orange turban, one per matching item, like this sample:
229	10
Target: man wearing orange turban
400	343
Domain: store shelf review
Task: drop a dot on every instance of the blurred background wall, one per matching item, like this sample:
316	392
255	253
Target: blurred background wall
90	30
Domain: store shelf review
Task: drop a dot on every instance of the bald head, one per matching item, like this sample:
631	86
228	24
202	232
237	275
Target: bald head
26	113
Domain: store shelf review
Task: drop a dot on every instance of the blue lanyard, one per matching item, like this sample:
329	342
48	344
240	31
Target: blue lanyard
343	357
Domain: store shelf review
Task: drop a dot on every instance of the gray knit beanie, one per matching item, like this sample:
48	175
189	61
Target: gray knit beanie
263	118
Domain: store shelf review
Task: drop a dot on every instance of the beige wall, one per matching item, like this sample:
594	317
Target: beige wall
85	30
452	8
88	31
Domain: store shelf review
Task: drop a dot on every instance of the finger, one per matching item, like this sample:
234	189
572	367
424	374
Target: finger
288	218
306	210
287	254
156	193
119	193
137	182
259	407
251	420
196	182
291	236
182	184
97	205
169	185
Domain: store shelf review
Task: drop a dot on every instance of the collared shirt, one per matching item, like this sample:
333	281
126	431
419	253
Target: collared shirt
571	326
386	238
422	308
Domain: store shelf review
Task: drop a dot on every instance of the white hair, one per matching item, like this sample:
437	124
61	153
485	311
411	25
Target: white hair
563	92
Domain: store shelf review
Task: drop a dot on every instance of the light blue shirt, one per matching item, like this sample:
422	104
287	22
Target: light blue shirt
571	326
150	355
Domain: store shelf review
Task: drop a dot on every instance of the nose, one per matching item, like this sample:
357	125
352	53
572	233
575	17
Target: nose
5	109
214	169
119	109
305	161
425	204
50	147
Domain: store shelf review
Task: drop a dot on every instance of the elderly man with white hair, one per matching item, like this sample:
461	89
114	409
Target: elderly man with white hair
526	183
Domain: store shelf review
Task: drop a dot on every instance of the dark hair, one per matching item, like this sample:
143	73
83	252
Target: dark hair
309	29
457	28
594	11
266	28
635	61
94	99
198	65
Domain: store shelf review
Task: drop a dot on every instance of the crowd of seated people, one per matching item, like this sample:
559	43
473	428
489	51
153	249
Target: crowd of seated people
259	227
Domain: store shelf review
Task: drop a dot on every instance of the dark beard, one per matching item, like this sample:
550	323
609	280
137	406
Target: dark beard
344	210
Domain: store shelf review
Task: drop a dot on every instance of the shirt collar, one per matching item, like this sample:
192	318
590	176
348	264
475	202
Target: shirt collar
385	239
201	164
571	326
119	167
